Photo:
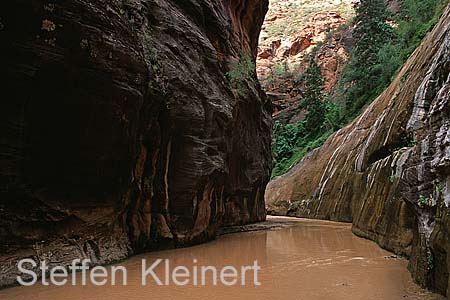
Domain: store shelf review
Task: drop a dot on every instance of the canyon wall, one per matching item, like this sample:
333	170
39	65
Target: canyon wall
292	32
388	171
120	129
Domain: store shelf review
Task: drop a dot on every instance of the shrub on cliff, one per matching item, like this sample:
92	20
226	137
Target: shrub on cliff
241	72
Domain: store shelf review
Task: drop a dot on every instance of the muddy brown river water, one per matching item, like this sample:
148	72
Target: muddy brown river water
311	260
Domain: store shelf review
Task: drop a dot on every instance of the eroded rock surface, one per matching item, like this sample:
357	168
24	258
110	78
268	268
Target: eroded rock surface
120	129
388	171
290	33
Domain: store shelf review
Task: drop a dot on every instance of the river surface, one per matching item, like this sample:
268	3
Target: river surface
312	260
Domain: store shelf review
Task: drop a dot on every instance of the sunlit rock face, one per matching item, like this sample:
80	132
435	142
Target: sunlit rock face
121	131
388	171
290	33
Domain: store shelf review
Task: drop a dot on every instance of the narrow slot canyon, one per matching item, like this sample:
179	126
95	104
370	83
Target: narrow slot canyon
208	149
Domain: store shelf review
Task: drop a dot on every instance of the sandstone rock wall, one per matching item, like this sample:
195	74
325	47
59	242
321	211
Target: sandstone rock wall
120	131
388	171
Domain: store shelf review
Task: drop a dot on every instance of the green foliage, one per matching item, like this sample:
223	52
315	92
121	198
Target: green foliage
378	53
430	262
423	200
276	29
416	19
279	71
313	99
439	188
386	67
159	81
333	116
371	30
292	142
362	71
283	70
392	178
285	139
240	73
381	49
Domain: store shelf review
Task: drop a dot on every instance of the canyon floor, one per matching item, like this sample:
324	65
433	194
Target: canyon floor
299	258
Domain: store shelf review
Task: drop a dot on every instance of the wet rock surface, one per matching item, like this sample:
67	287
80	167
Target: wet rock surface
121	132
388	171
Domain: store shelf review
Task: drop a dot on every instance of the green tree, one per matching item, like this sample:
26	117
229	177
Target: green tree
371	29
370	34
313	99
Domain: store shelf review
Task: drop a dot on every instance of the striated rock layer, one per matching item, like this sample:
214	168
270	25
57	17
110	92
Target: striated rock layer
120	131
388	171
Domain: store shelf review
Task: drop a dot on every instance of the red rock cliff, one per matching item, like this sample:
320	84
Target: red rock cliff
120	129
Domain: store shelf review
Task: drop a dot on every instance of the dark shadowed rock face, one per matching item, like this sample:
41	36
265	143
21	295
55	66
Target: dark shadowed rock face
388	172
120	131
